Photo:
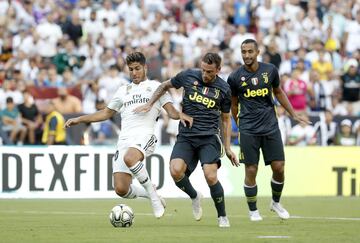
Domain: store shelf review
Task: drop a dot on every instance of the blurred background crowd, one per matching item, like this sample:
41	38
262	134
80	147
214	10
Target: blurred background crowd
61	58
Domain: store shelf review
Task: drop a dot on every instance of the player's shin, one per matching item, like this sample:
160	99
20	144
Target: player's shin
136	191
277	188
217	194
185	185
251	196
141	174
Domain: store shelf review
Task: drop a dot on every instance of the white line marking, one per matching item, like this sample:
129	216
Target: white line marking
170	214
273	237
324	218
70	213
303	217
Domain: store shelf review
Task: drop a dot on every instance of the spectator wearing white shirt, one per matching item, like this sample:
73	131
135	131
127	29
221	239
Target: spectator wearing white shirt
50	33
107	12
326	129
302	134
111	81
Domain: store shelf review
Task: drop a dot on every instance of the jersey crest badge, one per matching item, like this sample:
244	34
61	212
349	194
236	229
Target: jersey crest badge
128	89
217	93
194	87
265	77
254	81
205	90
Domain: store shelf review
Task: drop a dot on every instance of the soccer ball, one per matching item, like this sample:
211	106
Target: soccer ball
121	216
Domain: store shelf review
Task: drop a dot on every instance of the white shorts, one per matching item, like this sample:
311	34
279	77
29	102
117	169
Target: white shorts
145	144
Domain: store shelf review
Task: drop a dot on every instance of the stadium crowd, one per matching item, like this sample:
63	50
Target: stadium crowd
59	58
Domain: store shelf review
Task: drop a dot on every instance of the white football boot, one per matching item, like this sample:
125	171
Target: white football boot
196	206
223	222
255	215
279	209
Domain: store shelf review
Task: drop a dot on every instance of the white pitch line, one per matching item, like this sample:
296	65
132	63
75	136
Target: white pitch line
273	237
302	217
324	218
69	213
170	214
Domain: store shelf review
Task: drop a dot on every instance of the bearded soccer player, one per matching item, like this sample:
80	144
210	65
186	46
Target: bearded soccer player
252	106
136	139
207	99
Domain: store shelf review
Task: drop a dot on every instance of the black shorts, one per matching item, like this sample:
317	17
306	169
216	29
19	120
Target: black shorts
271	146
207	149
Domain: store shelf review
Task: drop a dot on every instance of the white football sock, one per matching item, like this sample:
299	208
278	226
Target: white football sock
136	191
141	174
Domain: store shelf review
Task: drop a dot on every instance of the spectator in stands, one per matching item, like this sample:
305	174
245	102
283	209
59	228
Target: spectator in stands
31	118
296	90
54	132
11	120
111	81
323	67
345	137
319	93
284	124
73	28
326	129
302	134
66	103
356	131
66	58
351	84
104	132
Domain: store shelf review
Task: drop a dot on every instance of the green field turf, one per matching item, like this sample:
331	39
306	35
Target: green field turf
316	219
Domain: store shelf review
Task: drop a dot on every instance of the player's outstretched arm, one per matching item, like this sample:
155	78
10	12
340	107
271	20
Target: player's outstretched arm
282	98
226	123
186	120
160	91
101	115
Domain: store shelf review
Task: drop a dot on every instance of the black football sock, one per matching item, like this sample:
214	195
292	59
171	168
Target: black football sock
185	185
277	188
251	193
217	194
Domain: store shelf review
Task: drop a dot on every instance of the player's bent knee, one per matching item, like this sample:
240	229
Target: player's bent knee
211	179
121	191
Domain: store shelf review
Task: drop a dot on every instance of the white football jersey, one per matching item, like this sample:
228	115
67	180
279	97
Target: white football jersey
127	98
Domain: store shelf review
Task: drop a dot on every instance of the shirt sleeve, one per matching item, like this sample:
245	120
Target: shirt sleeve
179	79
165	98
231	81
117	102
52	125
276	80
226	104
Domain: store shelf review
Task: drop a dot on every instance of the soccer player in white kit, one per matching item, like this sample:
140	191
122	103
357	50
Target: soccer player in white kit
136	139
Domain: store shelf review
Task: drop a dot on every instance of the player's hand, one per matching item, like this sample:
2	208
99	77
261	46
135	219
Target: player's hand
71	122
186	120
232	157
301	119
143	108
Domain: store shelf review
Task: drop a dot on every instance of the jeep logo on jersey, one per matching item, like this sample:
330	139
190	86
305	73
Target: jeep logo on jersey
254	81
209	103
257	92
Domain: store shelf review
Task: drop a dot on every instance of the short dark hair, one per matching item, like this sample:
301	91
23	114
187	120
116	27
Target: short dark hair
249	41
136	57
212	58
9	100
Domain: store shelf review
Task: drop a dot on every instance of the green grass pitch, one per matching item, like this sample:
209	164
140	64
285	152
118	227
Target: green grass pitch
315	219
